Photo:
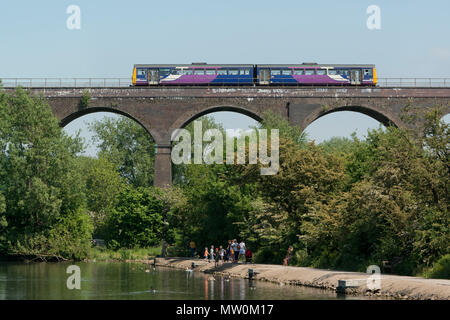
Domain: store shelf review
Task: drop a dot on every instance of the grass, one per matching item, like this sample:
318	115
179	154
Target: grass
104	254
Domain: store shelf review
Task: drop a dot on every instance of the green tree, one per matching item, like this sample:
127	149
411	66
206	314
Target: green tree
103	184
137	219
128	146
40	180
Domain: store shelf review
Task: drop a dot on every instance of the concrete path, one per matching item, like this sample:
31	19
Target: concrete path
390	285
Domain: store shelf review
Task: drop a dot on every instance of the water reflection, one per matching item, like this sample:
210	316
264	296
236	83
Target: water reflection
103	280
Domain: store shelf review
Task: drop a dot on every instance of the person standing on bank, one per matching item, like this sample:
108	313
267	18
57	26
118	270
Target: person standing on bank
236	250
242	251
222	253
192	245
211	253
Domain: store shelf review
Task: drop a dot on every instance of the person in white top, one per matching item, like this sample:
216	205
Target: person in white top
242	251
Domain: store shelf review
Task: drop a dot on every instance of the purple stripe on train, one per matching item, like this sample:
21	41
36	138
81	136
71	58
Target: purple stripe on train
182	79
304	79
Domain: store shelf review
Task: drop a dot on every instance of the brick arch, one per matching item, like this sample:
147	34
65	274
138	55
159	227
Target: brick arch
80	113
374	113
188	117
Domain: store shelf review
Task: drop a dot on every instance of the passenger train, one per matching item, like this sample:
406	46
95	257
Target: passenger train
249	74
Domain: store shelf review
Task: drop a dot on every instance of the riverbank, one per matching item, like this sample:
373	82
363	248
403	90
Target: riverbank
400	287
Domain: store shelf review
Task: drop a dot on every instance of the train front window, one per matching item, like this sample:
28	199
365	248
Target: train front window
368	72
141	73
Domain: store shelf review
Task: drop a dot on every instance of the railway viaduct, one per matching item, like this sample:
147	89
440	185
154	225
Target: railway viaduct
160	110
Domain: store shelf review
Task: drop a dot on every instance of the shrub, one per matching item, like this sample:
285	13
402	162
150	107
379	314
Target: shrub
268	255
440	269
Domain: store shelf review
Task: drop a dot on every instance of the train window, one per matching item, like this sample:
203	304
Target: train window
176	71
286	72
187	72
367	72
164	72
343	72
233	72
210	72
299	72
222	72
141	72
245	72
310	72
199	72
321	72
332	72
275	72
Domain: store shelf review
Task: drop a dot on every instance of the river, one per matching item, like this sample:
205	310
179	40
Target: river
120	280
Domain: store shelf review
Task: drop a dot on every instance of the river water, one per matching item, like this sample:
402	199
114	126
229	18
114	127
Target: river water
116	280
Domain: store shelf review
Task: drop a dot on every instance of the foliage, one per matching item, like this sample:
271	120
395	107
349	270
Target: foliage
103	184
128	146
39	179
338	145
85	100
273	120
137	219
440	269
105	254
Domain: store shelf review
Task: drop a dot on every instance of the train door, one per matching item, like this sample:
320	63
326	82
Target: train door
264	76
153	76
355	77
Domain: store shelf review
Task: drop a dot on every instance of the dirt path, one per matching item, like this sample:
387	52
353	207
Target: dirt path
390	286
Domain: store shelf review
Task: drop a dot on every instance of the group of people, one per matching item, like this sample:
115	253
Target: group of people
234	252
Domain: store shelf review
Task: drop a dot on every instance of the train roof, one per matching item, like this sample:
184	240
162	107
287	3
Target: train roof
200	64
303	65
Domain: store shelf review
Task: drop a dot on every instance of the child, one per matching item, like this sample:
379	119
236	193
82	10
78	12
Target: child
222	253
248	256
211	252
206	253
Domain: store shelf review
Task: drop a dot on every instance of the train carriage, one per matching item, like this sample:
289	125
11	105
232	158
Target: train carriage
248	74
316	74
192	74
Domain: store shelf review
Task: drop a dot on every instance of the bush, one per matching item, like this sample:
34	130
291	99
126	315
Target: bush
84	100
137	219
440	269
268	255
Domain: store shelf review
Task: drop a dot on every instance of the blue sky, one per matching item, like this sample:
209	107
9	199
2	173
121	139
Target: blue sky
114	35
